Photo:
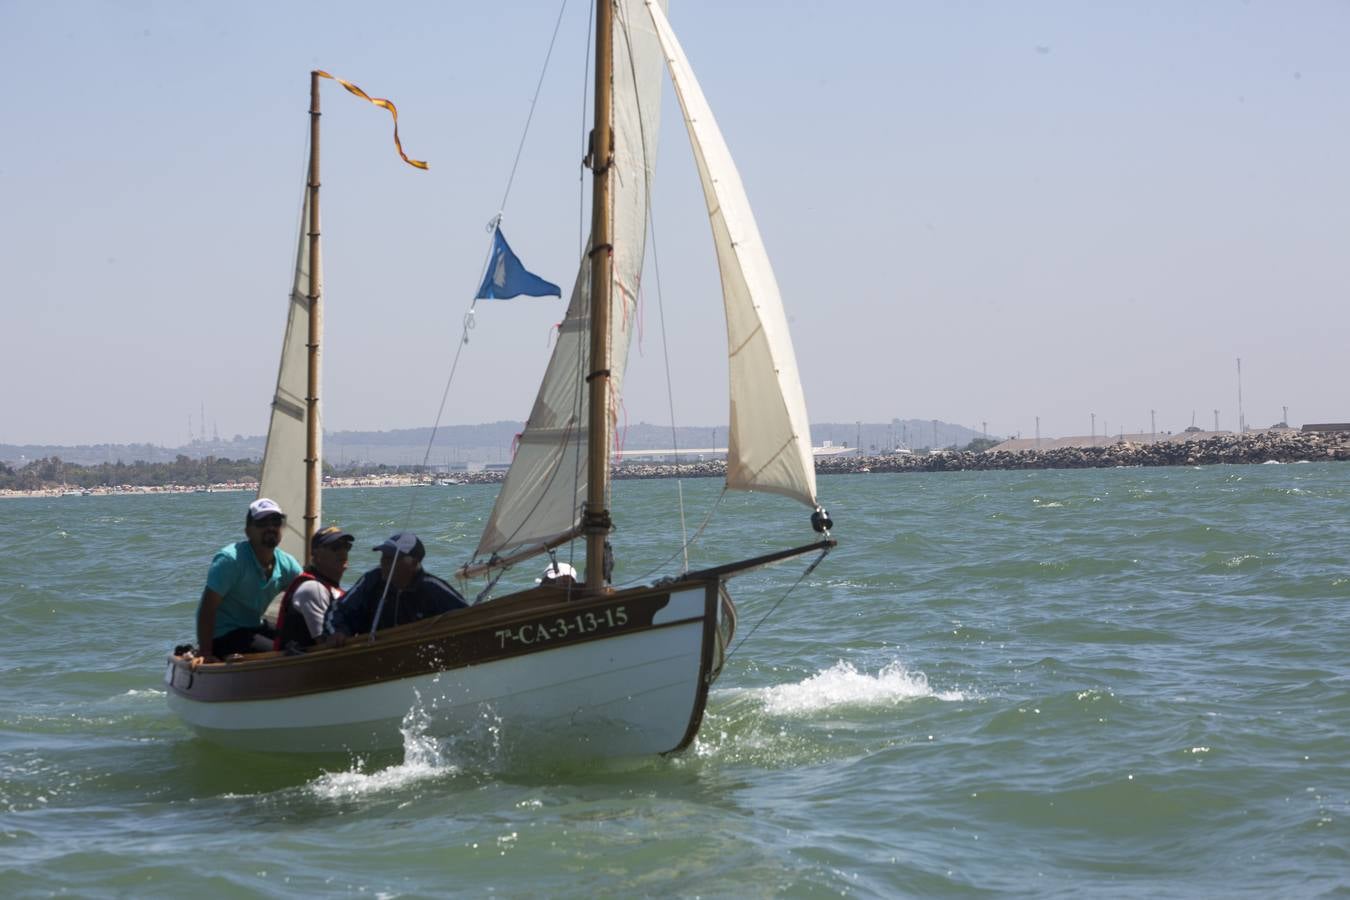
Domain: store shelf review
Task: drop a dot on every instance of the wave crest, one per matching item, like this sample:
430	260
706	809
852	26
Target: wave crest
842	685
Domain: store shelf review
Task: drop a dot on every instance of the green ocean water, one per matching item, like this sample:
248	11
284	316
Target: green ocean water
1123	683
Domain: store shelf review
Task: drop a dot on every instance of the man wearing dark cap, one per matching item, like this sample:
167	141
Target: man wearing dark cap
244	578
301	613
411	594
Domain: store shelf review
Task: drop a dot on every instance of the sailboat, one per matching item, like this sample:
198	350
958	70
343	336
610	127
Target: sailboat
588	670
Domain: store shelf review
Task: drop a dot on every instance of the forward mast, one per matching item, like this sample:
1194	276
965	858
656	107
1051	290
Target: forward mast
312	463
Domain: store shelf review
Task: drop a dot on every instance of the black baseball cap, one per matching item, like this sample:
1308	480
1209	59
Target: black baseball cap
331	536
404	543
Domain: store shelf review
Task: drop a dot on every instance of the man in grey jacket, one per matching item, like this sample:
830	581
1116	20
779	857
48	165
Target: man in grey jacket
410	593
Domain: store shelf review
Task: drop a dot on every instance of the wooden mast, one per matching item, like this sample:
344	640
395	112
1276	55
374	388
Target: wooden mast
312	471
596	521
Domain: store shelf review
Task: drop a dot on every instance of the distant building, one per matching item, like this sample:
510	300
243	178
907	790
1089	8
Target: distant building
828	450
693	454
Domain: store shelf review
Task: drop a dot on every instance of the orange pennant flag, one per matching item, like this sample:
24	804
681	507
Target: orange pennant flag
378	101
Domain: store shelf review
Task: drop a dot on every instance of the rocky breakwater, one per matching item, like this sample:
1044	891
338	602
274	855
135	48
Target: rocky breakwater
1252	448
714	468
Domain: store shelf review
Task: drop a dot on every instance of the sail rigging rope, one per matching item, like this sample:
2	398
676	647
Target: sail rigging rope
779	602
670	391
581	169
661	314
583	354
576	407
469	321
520	148
684	548
583	349
492	225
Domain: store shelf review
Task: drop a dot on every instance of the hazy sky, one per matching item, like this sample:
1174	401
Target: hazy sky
978	211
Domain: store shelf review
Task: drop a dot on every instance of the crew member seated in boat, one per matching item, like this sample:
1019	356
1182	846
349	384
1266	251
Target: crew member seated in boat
558	575
413	592
305	604
244	578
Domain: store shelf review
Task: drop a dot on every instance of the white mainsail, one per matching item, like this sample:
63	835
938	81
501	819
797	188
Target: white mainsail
540	501
769	448
283	468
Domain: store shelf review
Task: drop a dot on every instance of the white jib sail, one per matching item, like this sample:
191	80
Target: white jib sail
540	500
769	448
283	468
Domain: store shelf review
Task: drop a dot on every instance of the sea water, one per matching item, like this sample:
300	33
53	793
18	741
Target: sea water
1128	682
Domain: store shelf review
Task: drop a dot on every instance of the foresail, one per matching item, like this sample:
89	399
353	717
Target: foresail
283	469
540	500
769	446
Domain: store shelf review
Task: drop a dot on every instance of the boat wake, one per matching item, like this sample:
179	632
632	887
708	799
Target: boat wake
837	711
842	685
424	757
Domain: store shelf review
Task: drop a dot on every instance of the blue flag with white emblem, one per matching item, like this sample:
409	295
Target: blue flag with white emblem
506	277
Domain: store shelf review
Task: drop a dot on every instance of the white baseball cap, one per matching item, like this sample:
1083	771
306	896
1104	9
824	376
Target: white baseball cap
262	508
556	571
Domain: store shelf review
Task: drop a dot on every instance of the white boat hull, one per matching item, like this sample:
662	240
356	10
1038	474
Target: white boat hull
618	697
626	693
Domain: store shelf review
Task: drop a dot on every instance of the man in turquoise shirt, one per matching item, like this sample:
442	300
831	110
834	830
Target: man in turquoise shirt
244	578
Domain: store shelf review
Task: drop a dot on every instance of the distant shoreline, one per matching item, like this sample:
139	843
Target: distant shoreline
226	487
1249	449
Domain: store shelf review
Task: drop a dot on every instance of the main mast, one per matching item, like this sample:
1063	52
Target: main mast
596	521
312	463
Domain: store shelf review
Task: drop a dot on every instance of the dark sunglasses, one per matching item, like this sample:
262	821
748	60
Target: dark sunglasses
270	522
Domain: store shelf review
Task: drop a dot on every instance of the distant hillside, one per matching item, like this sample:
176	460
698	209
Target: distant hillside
487	443
93	454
